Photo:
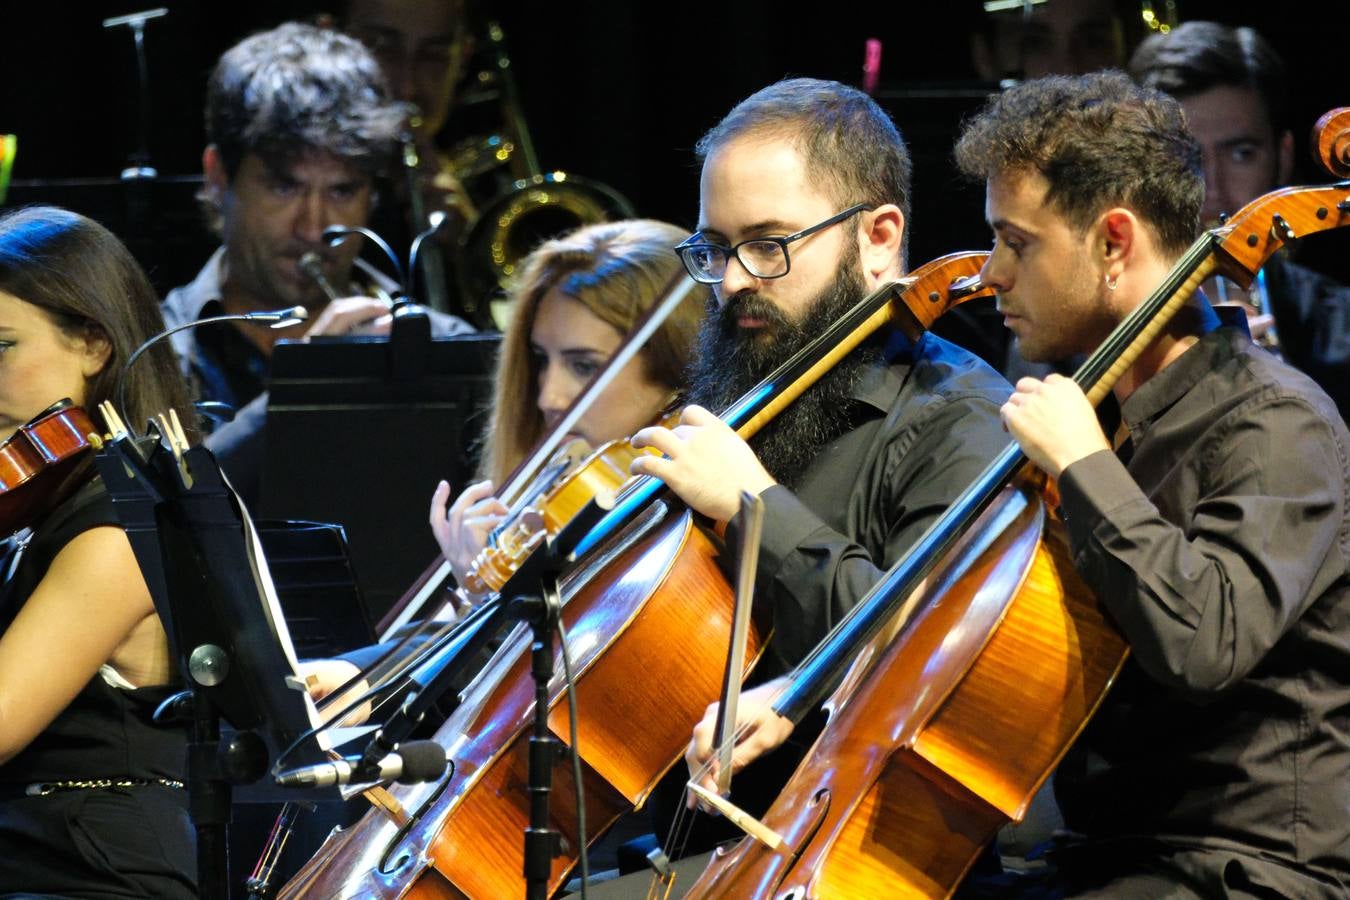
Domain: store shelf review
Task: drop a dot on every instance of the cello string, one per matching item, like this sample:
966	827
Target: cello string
391	685
682	824
397	668
390	659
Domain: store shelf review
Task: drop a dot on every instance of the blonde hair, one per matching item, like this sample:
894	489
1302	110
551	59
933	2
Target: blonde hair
617	270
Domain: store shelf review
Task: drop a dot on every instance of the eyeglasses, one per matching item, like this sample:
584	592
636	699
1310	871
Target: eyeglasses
765	257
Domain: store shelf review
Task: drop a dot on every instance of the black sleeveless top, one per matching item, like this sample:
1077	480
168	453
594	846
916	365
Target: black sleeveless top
105	732
134	841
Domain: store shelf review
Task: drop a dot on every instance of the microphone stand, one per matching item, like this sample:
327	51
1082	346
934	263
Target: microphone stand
531	595
193	547
140	168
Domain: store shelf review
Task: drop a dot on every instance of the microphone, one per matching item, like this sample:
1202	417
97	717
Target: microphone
435	221
413	762
277	318
336	234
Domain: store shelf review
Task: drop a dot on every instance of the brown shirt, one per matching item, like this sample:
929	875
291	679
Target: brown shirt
1221	547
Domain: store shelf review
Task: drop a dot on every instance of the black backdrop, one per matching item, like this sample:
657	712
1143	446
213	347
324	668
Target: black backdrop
614	90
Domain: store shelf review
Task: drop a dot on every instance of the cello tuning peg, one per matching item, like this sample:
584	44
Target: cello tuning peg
1281	230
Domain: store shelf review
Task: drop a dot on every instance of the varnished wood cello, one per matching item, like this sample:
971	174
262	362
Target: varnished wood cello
943	736
653	575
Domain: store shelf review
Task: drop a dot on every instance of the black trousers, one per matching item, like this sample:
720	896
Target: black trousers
107	843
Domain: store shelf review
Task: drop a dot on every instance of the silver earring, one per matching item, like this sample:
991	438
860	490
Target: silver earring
1110	283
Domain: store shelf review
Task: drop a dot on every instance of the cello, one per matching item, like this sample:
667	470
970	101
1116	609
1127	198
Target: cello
643	573
942	736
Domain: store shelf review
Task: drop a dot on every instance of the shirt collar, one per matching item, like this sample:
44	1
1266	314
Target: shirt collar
879	385
1221	327
190	302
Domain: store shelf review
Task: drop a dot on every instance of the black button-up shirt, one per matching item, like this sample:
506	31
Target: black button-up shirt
925	425
1220	549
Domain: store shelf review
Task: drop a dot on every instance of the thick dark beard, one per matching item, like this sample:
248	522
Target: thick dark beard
732	360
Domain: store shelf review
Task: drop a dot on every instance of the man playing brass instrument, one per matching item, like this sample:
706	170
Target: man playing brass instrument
299	125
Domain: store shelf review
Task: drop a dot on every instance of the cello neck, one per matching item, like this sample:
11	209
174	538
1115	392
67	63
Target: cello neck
816	676
910	304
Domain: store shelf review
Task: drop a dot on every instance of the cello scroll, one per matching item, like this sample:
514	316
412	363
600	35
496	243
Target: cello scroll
1331	142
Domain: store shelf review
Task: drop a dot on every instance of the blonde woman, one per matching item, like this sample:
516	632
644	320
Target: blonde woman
576	299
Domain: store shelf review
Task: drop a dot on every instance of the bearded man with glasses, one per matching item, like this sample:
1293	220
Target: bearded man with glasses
804	201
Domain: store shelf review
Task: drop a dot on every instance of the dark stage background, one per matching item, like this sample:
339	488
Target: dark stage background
615	91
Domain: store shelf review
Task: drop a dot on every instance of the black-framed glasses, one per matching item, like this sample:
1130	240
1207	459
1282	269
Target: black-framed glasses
765	257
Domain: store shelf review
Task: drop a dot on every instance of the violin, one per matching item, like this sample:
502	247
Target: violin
539	471
940	737
38	463
642	577
562	492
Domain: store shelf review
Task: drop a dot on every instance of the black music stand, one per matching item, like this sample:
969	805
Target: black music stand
316	586
360	430
211	588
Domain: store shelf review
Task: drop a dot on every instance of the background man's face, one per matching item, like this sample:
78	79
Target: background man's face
1061	37
419	46
272	218
1241	155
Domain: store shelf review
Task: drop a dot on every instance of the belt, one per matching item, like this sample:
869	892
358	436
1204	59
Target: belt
47	788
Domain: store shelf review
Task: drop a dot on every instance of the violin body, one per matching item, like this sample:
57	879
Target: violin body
949	733
468	841
37	462
603	472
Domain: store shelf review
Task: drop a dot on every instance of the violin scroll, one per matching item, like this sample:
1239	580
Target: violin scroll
1331	142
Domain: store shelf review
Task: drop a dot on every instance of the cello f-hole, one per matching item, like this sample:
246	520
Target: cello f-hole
396	865
388	867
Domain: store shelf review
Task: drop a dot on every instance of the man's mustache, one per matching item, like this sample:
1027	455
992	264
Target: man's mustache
751	306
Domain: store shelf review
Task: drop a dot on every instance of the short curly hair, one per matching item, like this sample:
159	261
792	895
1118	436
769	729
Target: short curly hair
1100	141
300	88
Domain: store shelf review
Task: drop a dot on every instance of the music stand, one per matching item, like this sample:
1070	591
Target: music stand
316	586
211	587
359	431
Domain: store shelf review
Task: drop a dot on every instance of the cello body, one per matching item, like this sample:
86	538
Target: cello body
950	730
468	839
